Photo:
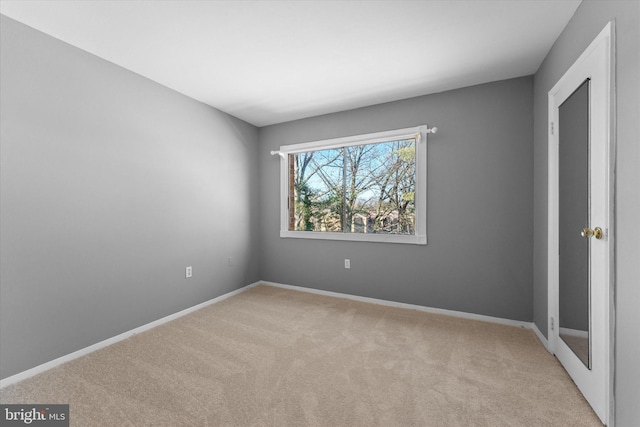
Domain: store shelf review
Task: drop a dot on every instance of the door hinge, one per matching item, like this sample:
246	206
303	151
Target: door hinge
552	128
552	325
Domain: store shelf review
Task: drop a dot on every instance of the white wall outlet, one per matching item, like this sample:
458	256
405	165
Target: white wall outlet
347	263
188	272
230	262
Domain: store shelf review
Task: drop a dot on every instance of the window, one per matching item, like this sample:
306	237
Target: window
365	188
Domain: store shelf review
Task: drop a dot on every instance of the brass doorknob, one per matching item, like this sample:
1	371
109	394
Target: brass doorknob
587	232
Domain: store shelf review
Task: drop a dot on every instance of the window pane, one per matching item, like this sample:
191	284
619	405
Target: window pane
316	190
356	188
380	187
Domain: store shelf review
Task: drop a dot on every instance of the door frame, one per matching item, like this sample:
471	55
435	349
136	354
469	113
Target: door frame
601	48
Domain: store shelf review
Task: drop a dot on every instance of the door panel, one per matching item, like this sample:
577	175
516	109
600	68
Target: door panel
580	228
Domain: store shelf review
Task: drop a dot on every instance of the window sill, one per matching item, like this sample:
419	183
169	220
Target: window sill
353	237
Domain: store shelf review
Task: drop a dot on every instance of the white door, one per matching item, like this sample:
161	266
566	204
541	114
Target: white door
580	228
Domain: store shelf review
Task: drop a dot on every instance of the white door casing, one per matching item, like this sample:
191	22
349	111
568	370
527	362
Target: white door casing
596	65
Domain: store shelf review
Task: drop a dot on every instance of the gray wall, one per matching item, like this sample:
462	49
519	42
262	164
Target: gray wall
480	225
587	22
110	185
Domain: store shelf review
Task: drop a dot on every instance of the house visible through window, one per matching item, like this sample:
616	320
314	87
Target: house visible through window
366	187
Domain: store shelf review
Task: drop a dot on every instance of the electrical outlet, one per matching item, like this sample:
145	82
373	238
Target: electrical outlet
347	263
188	272
230	262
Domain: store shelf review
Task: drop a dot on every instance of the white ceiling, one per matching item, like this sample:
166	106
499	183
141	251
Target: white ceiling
273	61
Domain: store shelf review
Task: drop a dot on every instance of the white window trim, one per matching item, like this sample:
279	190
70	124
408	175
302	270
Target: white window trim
418	132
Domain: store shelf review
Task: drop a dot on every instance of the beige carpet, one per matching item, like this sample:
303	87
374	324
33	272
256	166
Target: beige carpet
276	357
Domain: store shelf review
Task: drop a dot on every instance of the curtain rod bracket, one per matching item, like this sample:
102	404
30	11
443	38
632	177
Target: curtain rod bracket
279	153
427	129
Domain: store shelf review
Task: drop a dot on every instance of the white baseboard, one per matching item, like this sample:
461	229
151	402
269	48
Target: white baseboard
453	313
97	346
